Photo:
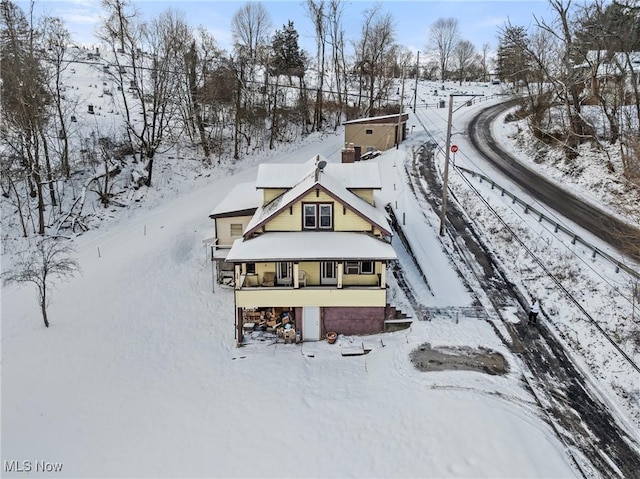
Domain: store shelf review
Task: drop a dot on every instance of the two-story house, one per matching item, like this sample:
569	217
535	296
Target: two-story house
315	251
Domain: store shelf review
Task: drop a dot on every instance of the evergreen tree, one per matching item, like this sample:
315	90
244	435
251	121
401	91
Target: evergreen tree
513	64
288	59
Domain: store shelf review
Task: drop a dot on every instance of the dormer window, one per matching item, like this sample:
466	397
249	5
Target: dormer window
317	216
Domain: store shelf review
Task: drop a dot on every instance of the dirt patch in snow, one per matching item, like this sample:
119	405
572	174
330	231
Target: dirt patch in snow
483	360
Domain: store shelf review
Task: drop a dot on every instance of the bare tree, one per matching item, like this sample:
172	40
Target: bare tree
443	36
57	38
484	61
336	39
153	61
250	28
375	54
49	261
316	12
465	54
567	81
25	99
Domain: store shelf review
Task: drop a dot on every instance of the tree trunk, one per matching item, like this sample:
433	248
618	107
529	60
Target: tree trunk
274	117
236	123
49	174
149	167
43	308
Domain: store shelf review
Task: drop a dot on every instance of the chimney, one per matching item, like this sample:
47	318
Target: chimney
348	154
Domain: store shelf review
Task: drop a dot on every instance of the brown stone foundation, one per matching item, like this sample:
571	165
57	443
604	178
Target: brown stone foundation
353	320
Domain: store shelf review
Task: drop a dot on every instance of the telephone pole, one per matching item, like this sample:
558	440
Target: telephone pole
415	91
445	181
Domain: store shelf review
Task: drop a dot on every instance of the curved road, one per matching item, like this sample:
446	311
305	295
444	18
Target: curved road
600	446
596	221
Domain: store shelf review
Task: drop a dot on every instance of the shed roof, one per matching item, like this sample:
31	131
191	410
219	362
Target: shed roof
243	198
384	119
311	246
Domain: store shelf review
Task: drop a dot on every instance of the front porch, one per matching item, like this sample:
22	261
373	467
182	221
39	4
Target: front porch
309	274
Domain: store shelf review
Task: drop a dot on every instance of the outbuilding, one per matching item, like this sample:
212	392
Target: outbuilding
378	133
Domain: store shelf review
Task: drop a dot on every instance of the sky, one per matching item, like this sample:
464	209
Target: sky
479	21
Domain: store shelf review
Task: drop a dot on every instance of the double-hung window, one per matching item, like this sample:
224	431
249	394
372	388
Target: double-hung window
317	216
310	216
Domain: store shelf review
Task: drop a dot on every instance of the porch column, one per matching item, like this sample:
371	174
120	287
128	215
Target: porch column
340	273
383	275
296	268
237	275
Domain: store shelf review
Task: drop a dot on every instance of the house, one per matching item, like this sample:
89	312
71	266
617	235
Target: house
313	256
378	133
606	73
231	217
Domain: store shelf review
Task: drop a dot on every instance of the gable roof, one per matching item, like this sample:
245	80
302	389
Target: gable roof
331	185
352	175
243	199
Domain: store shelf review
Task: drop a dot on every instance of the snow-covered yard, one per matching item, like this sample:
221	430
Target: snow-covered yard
138	375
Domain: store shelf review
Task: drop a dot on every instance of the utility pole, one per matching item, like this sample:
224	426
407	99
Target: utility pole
415	91
398	132
445	181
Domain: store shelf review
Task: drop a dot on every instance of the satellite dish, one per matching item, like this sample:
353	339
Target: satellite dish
321	165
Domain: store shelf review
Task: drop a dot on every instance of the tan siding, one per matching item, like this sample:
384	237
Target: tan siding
364	194
313	272
269	194
310	297
360	279
344	219
381	139
223	228
285	221
349	221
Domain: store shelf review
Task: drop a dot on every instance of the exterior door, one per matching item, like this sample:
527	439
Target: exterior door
283	272
328	273
311	323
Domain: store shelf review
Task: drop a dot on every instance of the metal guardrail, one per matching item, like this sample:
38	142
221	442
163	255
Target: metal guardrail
558	227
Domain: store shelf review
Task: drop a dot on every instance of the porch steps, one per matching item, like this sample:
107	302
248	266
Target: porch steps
395	319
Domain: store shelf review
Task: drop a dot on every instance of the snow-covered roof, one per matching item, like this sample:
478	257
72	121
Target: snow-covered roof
311	245
378	119
352	175
243	197
331	184
611	63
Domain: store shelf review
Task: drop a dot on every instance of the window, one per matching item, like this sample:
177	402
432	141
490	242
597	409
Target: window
236	230
310	216
251	268
352	267
369	132
317	216
367	267
326	217
359	267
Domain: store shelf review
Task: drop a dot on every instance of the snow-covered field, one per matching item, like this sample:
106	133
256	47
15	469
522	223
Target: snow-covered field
138	376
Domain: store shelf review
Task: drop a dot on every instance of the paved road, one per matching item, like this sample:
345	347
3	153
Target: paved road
596	221
599	445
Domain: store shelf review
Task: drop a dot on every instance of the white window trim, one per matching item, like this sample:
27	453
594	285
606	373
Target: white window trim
305	216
